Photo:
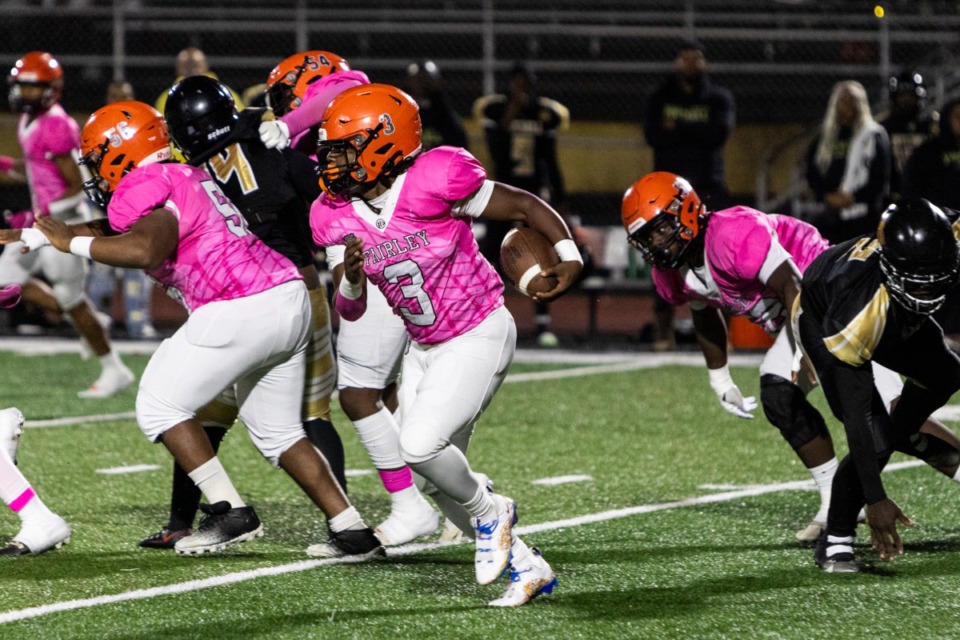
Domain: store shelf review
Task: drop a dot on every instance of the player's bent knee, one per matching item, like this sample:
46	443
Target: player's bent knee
420	445
156	416
69	295
787	408
274	445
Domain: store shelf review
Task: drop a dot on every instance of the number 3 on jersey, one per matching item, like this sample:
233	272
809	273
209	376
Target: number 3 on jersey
235	222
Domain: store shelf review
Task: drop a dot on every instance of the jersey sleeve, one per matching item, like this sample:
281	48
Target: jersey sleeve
741	249
465	174
320	211
669	285
139	194
854	340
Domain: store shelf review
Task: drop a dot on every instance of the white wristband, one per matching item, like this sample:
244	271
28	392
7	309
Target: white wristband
33	238
80	246
349	290
567	250
720	379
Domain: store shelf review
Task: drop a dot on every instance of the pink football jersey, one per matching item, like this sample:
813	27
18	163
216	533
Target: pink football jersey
738	243
217	257
422	257
52	133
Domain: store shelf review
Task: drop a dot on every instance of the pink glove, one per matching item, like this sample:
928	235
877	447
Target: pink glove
21	219
9	296
6	164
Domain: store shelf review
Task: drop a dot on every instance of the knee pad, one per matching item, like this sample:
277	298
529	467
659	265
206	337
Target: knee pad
932	450
787	408
420	444
69	293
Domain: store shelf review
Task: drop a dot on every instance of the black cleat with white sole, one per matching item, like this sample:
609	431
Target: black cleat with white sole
221	527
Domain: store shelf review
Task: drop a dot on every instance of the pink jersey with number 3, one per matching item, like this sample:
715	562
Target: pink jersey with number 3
422	257
217	257
738	243
52	133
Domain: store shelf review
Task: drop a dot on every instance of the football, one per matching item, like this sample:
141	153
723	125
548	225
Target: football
523	254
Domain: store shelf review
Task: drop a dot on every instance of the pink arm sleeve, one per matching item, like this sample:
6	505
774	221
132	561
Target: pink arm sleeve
350	310
311	111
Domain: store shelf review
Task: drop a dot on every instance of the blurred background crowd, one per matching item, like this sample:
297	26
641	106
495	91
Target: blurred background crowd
777	99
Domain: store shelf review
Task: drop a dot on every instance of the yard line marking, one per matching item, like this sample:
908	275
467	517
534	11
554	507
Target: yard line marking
133	468
75	420
353	473
305	565
550	482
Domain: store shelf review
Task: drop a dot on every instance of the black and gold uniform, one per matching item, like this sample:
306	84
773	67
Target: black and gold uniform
855	309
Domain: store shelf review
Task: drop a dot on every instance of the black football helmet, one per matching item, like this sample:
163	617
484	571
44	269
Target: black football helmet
908	82
200	115
919	256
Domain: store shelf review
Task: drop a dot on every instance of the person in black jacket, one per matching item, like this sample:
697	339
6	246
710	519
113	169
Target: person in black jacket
869	300
441	124
848	166
687	122
933	170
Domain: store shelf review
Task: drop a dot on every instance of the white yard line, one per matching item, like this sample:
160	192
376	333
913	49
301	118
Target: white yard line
305	565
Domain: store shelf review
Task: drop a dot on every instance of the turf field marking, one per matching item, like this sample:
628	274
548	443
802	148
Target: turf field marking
133	468
562	480
306	565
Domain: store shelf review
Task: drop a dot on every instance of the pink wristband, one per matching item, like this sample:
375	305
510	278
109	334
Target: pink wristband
6	164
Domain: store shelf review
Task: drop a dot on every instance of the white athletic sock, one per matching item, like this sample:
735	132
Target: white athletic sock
111	360
16	492
380	434
347	519
483	506
956	476
408	499
215	484
823	478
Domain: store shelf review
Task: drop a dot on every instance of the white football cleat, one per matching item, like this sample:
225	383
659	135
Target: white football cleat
401	527
527	582
35	538
494	539
112	381
11	426
451	533
812	531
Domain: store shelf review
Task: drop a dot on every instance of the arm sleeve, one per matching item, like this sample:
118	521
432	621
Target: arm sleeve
311	111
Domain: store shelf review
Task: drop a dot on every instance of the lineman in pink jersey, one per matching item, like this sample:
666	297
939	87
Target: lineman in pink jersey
369	348
405	219
40	528
50	139
248	328
746	263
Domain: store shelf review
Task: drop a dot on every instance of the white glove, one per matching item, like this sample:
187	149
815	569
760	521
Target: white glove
729	395
33	239
275	134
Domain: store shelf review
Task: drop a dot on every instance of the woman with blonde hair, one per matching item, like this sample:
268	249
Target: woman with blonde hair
848	166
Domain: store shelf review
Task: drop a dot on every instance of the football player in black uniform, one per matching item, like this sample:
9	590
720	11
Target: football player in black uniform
273	190
870	299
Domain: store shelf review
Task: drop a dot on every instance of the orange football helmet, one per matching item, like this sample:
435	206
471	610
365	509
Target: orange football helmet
117	138
36	68
662	201
368	134
287	83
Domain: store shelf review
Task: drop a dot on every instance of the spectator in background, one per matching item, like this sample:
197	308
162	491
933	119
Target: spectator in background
521	129
687	122
908	124
933	172
848	166
441	124
192	62
135	284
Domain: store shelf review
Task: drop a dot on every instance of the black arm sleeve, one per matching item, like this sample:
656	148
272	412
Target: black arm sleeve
853	389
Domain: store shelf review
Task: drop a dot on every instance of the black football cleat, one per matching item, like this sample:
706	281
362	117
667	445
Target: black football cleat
221	527
165	538
359	543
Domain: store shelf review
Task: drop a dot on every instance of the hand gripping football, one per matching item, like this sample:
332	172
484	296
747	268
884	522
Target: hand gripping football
523	254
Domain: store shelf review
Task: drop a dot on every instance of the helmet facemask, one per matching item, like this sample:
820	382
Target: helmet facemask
918	293
280	96
19	104
98	188
351	178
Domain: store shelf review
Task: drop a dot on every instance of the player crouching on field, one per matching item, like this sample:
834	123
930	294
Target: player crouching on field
249	321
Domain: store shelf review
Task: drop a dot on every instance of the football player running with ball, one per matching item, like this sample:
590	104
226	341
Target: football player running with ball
746	263
249	321
405	218
369	348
